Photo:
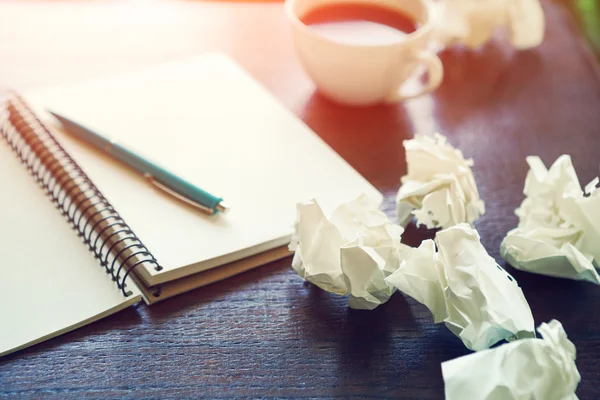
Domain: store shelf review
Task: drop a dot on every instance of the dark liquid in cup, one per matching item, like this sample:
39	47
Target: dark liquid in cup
360	24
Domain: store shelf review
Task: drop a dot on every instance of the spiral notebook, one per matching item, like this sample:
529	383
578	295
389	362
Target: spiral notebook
102	239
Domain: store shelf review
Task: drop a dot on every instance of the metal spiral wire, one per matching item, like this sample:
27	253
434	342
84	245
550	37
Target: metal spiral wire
99	225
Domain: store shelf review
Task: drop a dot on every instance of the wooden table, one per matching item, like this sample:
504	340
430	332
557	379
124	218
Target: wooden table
266	333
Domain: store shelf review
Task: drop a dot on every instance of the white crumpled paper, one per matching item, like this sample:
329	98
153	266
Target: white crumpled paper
465	288
350	253
439	189
559	227
473	22
532	369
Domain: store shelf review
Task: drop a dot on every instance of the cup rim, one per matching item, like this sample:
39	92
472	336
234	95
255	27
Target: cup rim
420	31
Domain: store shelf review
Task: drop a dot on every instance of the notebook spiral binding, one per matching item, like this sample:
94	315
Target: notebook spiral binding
100	226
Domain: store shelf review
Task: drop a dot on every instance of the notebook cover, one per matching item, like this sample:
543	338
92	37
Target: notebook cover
164	291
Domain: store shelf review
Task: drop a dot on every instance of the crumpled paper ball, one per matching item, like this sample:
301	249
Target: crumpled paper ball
559	224
473	22
439	189
534	369
350	253
465	288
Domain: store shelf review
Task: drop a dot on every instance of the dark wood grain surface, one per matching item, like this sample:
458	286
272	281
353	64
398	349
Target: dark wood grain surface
266	333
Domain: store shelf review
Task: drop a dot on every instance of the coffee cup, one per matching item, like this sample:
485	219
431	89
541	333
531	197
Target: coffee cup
362	74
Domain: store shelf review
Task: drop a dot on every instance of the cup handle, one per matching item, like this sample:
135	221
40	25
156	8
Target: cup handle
436	74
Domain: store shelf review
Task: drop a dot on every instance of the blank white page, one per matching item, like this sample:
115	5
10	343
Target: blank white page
209	121
49	281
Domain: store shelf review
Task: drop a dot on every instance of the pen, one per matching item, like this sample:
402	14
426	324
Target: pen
154	174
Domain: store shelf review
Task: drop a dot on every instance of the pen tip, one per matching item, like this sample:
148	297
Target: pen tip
55	115
222	207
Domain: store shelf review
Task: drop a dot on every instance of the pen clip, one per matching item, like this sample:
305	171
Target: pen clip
170	191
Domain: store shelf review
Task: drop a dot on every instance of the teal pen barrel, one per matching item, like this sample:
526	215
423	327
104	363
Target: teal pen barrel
159	174
165	177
